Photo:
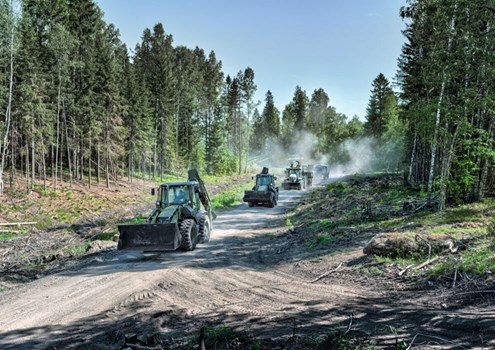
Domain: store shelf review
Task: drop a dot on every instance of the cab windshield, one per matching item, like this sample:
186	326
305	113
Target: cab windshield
263	180
177	195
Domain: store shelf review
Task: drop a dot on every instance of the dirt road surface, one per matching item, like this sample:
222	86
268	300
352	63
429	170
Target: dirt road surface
247	278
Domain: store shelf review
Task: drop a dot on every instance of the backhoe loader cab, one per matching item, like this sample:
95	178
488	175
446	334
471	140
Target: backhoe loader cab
182	218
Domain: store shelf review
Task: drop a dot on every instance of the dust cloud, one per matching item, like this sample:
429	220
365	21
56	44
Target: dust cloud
350	157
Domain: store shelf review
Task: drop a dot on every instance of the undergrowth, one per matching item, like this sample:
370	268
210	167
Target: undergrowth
230	197
365	206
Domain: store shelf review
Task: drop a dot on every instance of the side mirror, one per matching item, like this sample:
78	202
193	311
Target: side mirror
153	192
275	178
252	177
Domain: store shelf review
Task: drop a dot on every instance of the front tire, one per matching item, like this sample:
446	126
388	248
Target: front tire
250	204
189	234
204	229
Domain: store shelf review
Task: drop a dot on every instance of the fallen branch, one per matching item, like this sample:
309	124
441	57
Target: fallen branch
455	278
9	231
349	326
427	262
405	270
17	223
326	274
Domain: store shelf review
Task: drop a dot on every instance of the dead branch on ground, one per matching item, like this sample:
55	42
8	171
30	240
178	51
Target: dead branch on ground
326	274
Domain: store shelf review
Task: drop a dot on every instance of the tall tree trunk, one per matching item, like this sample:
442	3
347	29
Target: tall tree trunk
8	112
107	169
98	163
239	133
28	188
445	173
68	148
33	157
89	162
413	155
58	124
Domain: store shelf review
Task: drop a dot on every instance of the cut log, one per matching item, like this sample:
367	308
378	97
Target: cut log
17	223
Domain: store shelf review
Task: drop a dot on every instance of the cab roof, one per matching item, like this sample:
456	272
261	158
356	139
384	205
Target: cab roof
177	184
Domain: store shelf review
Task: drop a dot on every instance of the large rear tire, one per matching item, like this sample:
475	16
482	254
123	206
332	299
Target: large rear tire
189	233
204	229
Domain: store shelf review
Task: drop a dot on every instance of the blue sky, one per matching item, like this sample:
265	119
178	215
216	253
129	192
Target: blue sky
338	45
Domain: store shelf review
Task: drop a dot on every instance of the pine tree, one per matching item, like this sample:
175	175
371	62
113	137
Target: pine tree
381	107
300	108
271	117
317	108
258	135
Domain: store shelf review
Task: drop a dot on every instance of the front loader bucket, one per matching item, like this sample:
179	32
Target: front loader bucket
257	196
149	237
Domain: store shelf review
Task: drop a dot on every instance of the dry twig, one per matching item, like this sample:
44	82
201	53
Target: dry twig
427	262
349	326
405	270
325	274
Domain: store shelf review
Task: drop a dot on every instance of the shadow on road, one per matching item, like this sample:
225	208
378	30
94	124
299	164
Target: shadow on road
389	320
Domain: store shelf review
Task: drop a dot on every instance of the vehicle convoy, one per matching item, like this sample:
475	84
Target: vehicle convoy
297	177
264	191
182	218
321	172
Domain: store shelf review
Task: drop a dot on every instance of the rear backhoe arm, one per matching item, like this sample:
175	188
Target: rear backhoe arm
203	193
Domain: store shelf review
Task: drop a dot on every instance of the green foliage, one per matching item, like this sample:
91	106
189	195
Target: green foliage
446	115
338	186
490	229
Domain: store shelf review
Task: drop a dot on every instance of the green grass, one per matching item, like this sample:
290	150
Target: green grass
338	186
372	271
415	260
230	197
224	338
288	222
6	236
107	236
319	240
477	261
78	248
138	219
322	225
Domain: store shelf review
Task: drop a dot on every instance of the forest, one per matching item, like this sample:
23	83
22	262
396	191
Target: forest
80	105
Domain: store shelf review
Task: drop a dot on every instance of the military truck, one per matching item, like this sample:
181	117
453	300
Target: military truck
264	191
297	177
182	218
